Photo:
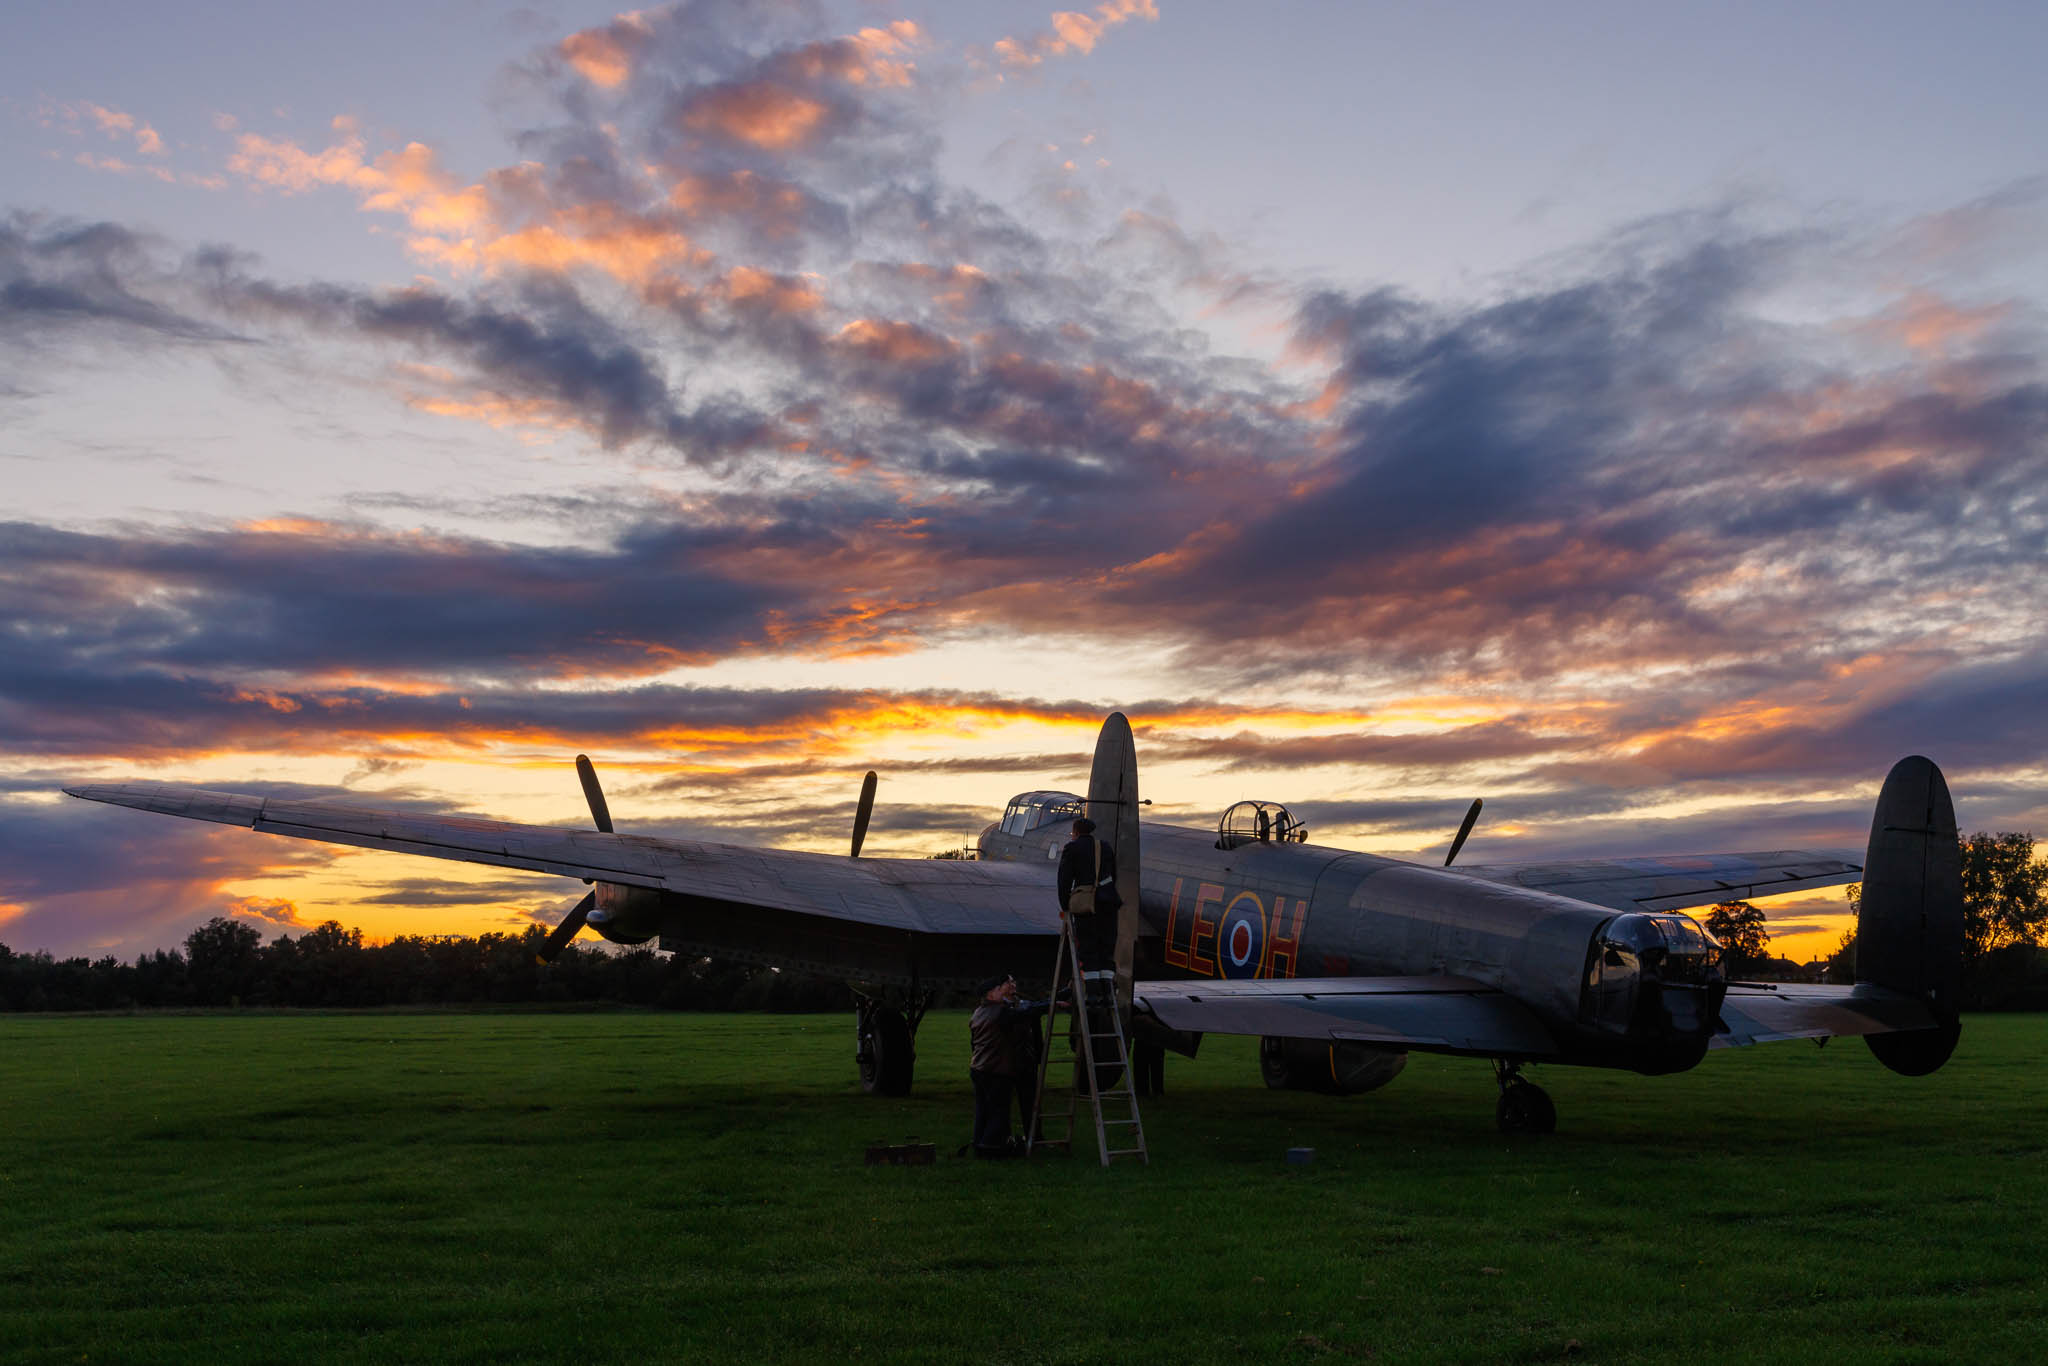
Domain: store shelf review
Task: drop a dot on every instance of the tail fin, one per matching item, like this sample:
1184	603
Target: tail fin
1909	936
1113	806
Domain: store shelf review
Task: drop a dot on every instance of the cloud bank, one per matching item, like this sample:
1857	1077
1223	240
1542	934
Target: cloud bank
1722	504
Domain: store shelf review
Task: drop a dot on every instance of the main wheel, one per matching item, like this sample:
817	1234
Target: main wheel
886	1055
1525	1109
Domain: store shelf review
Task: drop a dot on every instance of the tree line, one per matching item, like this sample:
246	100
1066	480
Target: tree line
226	963
2005	920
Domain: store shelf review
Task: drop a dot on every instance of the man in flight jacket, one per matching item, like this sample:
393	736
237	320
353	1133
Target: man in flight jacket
1094	935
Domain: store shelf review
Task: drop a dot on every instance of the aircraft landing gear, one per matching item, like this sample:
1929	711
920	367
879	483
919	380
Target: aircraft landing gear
1523	1107
887	1042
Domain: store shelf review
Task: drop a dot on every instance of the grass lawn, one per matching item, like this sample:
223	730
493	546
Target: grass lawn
631	1187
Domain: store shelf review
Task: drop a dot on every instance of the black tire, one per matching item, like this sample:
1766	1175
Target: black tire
1525	1109
1273	1067
886	1056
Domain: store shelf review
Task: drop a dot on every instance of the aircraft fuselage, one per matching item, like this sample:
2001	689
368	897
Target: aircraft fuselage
1630	990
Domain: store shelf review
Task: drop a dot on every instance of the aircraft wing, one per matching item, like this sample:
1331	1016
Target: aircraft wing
1433	1014
929	896
1679	881
1764	1012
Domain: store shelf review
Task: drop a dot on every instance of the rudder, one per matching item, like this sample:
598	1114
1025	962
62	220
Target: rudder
1909	933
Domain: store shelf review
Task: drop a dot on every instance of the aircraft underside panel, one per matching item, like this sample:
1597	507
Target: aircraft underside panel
849	949
1434	1014
1767	1013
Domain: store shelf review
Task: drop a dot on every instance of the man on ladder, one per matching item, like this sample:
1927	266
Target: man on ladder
1088	866
1089	902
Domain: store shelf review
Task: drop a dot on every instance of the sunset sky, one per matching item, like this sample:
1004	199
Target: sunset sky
1635	416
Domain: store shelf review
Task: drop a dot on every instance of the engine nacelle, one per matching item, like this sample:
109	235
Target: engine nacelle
626	915
1333	1068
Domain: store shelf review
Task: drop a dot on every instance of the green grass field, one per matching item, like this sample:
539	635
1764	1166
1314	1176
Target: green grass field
635	1187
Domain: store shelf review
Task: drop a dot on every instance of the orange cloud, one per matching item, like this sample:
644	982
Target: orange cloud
763	114
1926	322
117	166
627	248
770	208
269	910
605	56
747	287
1071	32
896	343
882	52
463	226
117	123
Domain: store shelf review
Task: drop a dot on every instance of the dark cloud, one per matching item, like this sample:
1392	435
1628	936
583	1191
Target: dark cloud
1435	750
59	277
308	599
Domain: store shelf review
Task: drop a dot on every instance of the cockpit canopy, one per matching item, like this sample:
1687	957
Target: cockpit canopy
1256	822
1029	811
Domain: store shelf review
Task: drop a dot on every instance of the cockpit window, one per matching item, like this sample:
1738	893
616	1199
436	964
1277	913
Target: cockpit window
1031	810
1258	822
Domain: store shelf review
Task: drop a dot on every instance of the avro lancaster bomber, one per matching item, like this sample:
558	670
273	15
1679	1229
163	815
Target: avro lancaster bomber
1341	962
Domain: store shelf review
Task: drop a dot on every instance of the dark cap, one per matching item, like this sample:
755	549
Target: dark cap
1084	826
992	983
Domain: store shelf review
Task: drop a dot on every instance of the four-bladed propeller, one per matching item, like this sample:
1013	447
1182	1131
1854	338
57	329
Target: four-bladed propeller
600	813
1471	819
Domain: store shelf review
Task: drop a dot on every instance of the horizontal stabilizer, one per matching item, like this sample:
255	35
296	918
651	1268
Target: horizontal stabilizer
1767	1013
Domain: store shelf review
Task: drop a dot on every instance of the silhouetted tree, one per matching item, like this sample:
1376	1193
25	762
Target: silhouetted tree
2003	892
1740	928
222	962
1842	962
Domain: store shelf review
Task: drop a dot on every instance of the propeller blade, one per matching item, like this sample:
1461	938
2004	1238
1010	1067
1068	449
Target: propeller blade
567	930
863	811
1471	819
593	794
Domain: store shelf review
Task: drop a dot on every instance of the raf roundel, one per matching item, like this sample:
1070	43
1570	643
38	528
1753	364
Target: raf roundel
1241	936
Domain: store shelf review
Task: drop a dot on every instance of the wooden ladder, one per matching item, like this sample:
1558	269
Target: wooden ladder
1095	1040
